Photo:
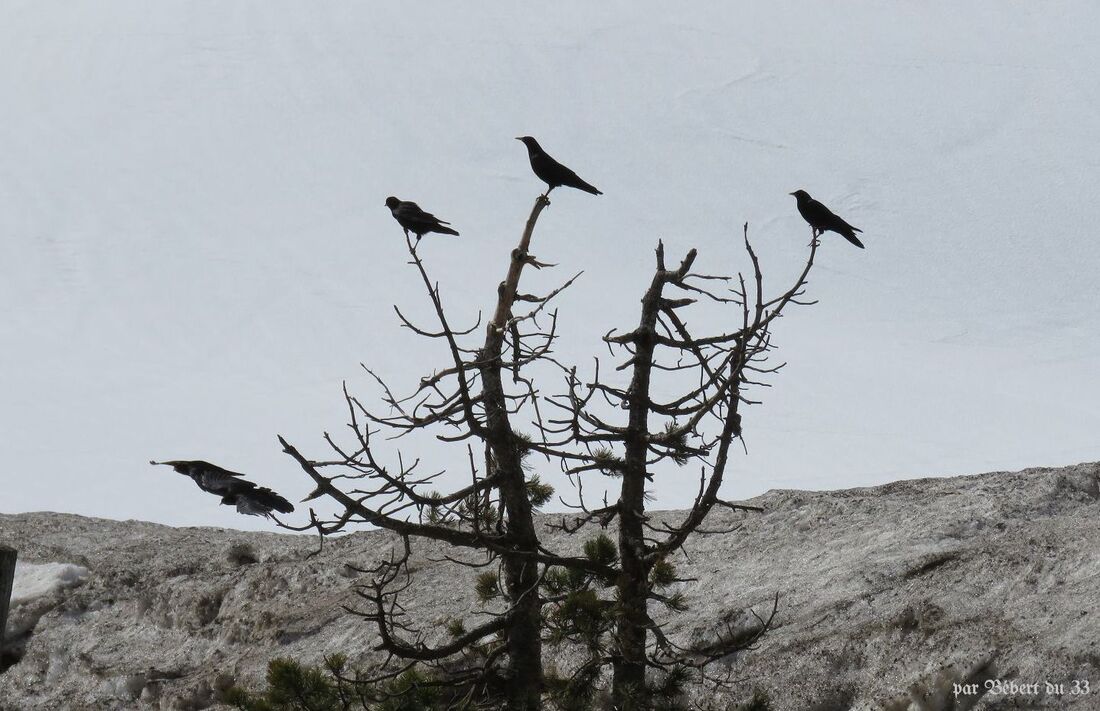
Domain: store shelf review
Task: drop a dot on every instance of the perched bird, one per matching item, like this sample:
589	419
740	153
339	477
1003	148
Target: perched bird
413	219
822	218
247	497
552	172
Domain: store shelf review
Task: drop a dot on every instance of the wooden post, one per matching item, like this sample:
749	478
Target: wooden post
7	578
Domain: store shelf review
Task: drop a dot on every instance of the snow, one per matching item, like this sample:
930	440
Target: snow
196	252
879	588
35	580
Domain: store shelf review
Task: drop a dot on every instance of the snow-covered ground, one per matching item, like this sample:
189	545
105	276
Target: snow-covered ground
35	580
880	588
195	250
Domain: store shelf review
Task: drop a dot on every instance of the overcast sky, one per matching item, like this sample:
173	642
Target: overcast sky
196	252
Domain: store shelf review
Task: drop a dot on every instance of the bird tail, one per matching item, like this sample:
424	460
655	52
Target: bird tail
446	231
850	235
589	188
269	498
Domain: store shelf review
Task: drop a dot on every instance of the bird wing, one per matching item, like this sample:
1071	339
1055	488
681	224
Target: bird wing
555	172
817	214
825	219
411	211
821	216
260	501
836	223
571	174
559	171
414	211
250	507
220	482
410	208
269	498
202	464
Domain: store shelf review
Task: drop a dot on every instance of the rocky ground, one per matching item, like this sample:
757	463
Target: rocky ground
888	596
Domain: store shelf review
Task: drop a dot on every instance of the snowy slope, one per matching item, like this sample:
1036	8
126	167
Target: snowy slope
883	591
195	251
35	580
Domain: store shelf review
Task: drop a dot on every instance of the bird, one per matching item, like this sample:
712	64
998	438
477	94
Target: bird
413	219
552	172
249	499
822	219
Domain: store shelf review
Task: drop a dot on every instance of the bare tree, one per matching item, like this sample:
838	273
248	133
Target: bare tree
711	376
600	600
466	402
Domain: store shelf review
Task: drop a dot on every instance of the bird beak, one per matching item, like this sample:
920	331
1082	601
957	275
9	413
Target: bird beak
518	138
790	193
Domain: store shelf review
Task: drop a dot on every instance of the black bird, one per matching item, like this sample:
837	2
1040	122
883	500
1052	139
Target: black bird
552	172
822	219
247	497
413	219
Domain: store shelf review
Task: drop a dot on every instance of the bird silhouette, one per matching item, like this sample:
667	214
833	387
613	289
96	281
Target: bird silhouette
249	499
822	219
413	219
552	172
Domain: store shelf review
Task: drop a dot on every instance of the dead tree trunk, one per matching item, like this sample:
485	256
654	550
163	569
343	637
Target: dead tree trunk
709	378
524	633
629	675
7	579
499	661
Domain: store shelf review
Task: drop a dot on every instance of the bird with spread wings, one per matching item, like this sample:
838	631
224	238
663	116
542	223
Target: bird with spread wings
236	491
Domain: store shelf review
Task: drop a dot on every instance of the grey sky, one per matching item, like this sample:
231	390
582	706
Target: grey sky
196	251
